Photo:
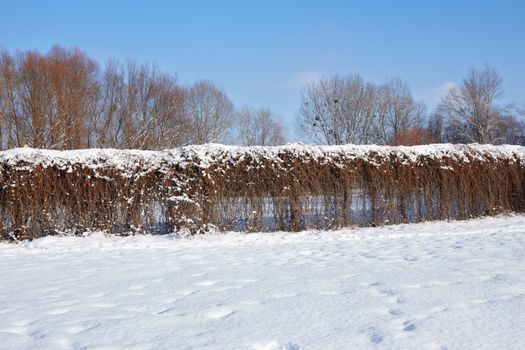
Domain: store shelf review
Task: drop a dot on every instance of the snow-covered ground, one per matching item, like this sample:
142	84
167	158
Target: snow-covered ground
457	285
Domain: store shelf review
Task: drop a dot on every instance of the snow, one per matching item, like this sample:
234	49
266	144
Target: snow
438	285
129	162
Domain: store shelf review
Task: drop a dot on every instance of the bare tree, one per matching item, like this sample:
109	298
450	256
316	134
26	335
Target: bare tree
436	127
73	86
171	127
48	100
513	130
259	128
396	112
4	109
110	118
140	108
35	100
472	112
9	101
209	110
337	110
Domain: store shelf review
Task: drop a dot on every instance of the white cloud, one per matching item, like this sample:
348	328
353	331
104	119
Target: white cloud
444	88
305	77
433	96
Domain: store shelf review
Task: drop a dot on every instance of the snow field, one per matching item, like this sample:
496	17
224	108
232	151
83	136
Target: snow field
439	285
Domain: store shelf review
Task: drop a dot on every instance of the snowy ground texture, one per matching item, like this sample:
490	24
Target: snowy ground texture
457	285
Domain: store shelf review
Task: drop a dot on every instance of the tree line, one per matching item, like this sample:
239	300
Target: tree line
64	99
346	109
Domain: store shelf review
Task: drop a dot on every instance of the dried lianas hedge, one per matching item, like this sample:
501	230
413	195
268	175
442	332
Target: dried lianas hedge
292	187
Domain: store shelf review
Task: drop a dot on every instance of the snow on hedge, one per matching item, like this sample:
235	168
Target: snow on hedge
129	161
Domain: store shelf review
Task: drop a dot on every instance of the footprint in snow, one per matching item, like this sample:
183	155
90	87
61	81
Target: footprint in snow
499	279
376	338
75	329
37	334
394	312
167	311
374	335
396	300
388	292
409	326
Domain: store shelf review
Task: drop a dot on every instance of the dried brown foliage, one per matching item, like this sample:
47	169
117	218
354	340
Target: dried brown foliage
255	189
413	137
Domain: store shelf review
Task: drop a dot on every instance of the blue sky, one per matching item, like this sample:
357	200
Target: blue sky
263	52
